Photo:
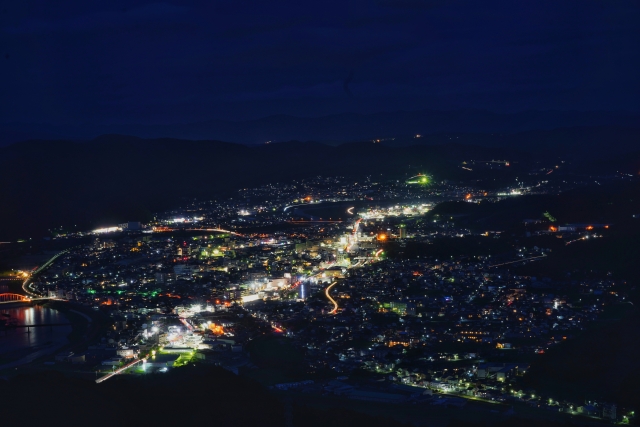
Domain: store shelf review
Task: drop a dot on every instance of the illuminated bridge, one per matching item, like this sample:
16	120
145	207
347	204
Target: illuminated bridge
7	297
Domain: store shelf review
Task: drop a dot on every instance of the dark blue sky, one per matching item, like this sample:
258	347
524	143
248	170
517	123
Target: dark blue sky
168	62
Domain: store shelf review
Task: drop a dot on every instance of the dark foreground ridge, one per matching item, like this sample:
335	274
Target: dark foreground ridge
187	396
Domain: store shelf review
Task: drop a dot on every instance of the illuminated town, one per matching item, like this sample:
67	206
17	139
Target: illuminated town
383	213
321	263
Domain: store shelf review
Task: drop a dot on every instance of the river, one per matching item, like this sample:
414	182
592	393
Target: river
17	346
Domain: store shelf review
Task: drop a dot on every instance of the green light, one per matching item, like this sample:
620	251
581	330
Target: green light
419	179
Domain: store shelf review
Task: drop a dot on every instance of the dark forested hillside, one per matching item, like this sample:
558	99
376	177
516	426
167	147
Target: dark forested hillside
46	184
190	395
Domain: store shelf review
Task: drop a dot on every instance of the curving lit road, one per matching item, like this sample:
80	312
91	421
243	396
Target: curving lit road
519	260
219	230
25	284
335	304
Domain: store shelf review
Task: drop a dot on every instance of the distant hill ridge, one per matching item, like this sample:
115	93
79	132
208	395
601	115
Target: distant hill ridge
113	178
332	128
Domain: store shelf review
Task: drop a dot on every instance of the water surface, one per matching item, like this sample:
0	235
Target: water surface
18	344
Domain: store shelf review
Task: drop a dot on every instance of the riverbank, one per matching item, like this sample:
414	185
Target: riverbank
86	323
26	356
86	326
20	345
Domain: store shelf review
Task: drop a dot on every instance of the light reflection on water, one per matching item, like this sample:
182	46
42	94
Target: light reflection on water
18	339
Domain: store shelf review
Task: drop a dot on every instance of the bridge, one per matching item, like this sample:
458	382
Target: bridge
9	298
41	325
9	326
37	325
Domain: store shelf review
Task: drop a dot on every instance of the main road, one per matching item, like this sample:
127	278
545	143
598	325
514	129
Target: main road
120	370
335	304
25	284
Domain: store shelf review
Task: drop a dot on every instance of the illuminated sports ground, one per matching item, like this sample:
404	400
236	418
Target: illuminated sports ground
419	179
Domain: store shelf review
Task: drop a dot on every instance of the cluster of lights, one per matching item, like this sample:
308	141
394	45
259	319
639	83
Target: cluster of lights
106	230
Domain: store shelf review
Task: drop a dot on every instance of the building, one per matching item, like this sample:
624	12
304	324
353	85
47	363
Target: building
127	353
303	291
183	269
402	231
131	226
609	411
162	278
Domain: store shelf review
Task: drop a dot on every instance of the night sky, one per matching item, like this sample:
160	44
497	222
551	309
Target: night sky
86	61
